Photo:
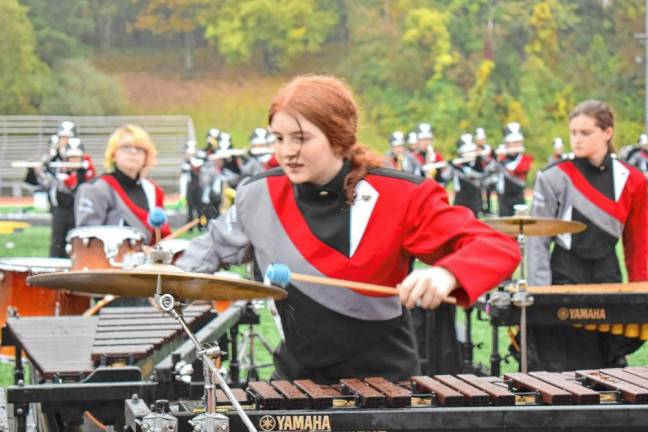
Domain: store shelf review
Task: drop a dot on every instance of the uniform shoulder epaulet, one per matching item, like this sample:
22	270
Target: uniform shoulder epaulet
388	172
274	172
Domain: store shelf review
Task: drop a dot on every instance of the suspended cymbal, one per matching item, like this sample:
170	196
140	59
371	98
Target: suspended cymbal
141	282
534	226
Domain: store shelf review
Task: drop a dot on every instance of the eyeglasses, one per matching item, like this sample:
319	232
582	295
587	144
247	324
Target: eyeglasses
128	148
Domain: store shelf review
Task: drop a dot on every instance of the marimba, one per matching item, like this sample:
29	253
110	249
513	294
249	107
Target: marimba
608	399
71	347
619	313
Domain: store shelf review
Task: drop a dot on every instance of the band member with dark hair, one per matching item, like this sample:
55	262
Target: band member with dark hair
123	196
332	211
609	196
514	168
62	184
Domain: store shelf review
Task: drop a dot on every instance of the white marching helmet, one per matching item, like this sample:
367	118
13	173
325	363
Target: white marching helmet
74	148
643	139
225	141
67	129
412	138
259	136
513	132
396	139
465	144
424	131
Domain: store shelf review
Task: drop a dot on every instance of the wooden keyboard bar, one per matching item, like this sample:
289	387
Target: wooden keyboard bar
582	395
472	396
194	307
396	396
368	396
638	370
445	396
629	392
319	398
294	398
239	394
619	373
497	395
550	394
265	396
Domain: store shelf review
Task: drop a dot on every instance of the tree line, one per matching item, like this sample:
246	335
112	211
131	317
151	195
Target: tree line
457	64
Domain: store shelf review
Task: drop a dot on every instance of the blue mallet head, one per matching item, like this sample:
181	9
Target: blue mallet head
278	274
157	217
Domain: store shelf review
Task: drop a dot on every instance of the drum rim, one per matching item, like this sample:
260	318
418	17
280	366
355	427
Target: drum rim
24	268
87	232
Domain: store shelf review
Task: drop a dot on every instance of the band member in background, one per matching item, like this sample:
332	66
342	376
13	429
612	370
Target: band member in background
489	164
219	175
211	141
123	196
426	153
558	151
399	157
62	184
514	167
261	153
332	211
609	196
466	176
190	189
638	155
66	130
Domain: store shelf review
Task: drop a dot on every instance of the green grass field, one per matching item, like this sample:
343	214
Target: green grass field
34	241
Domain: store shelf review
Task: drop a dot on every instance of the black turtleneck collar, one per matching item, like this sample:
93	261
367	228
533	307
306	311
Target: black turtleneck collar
132	187
124	180
326	210
601	177
585	165
331	190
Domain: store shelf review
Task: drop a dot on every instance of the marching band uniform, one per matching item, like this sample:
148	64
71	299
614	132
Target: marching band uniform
123	197
62	185
638	155
256	163
612	201
117	199
399	158
467	177
421	145
190	188
330	332
514	169
489	167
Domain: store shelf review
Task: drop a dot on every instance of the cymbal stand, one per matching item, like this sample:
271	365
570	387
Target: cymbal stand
522	299
210	421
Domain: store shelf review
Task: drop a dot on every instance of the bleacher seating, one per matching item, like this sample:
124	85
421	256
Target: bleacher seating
26	138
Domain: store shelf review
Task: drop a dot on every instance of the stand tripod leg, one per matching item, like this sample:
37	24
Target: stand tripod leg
495	358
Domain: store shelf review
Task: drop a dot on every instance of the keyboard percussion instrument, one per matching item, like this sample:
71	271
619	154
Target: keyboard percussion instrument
185	388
